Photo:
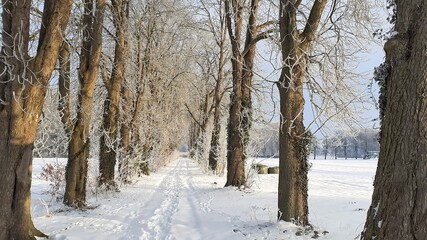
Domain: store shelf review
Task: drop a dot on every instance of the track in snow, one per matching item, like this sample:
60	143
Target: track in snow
176	210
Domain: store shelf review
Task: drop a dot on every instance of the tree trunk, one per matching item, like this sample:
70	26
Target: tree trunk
293	150
240	119
125	132
215	144
326	148
108	145
293	139
23	85
399	202
235	151
201	126
345	148
214	149
78	147
315	149
64	87
356	148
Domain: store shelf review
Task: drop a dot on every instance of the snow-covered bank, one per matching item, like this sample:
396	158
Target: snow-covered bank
180	202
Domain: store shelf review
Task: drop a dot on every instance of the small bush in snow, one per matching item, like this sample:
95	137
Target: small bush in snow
55	174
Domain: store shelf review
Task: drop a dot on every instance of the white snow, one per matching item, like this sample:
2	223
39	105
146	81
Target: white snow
181	202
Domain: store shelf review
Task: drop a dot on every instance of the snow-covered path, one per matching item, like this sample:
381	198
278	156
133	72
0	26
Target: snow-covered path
179	202
175	210
168	204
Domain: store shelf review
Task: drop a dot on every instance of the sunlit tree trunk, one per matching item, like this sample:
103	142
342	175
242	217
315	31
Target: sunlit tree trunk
235	151
78	147
399	202
23	84
64	87
110	124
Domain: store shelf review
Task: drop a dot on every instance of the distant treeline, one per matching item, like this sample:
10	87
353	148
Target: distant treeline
265	143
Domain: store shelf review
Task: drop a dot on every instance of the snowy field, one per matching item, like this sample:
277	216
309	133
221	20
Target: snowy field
180	202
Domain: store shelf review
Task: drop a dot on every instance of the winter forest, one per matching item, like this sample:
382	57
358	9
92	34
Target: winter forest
213	119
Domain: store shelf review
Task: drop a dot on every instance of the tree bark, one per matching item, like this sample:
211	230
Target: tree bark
78	148
215	144
64	87
125	134
399	202
292	151
110	124
293	140
240	118
23	84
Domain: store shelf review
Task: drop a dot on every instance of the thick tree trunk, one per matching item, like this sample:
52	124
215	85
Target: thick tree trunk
293	150
235	151
23	84
240	119
78	147
108	145
293	140
399	202
15	217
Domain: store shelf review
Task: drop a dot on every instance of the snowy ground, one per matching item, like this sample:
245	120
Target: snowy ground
180	202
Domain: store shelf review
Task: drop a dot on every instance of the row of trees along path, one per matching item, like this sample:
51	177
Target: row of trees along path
139	87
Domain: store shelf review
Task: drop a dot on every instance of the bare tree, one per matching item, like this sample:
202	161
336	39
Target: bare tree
242	60
23	85
134	89
219	30
78	148
158	71
317	40
113	84
398	208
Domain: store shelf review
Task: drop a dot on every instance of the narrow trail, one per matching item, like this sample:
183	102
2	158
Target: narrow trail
176	209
